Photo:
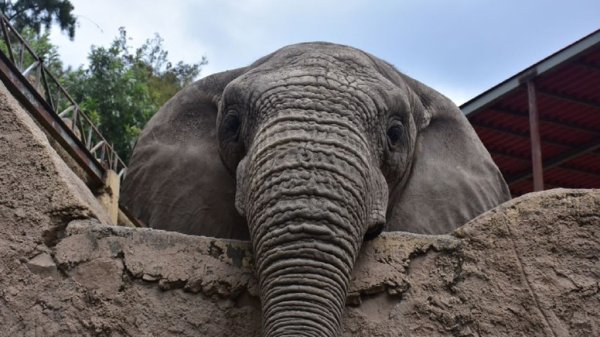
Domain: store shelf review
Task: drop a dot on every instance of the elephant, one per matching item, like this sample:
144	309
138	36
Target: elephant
307	153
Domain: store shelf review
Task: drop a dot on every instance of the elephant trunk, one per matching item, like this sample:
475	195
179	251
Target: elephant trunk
306	210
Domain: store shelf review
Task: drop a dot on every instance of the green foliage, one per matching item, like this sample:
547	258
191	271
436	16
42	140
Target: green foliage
120	90
164	79
41	46
27	17
123	89
36	14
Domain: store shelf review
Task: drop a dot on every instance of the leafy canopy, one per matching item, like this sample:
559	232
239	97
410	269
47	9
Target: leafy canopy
36	14
121	89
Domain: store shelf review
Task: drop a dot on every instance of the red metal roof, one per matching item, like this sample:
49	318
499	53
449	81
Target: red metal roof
568	99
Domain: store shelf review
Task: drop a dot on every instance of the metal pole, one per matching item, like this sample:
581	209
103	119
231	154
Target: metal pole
534	131
7	39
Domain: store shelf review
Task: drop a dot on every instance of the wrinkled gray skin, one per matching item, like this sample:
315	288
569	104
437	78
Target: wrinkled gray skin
328	145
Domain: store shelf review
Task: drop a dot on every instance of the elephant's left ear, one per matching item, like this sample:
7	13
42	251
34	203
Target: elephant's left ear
176	179
453	177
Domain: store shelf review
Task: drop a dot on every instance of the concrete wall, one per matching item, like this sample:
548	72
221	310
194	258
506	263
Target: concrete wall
527	268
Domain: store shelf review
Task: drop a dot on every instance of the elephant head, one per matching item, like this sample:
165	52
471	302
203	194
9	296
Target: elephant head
328	146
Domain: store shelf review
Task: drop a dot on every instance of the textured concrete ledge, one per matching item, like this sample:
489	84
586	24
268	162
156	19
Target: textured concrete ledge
529	267
224	267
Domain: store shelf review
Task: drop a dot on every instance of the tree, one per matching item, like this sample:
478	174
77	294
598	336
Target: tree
121	90
40	13
164	79
42	47
28	17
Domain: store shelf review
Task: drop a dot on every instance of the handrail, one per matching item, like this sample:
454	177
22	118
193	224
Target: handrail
32	68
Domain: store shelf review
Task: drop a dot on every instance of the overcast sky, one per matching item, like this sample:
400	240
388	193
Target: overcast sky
459	47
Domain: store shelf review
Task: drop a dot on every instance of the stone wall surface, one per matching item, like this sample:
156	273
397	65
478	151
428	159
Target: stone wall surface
527	268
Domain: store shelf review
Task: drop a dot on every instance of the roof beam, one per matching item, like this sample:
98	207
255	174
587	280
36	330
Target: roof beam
588	65
496	152
549	184
549	120
523	135
488	127
489	97
573	169
570	99
527	159
552	162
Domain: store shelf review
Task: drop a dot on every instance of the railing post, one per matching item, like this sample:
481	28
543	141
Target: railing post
534	131
109	197
7	39
48	95
21	57
74	123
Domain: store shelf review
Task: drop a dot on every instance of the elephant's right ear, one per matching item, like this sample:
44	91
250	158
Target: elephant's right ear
453	177
176	179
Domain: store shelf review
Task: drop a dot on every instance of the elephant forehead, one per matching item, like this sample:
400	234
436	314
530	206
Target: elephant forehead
346	65
321	51
314	76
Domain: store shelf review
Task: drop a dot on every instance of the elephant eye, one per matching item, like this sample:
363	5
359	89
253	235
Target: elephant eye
395	133
231	125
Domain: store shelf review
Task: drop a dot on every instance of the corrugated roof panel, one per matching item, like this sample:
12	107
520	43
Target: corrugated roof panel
568	99
515	101
571	178
510	165
589	162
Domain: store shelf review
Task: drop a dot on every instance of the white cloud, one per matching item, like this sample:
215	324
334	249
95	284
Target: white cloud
98	25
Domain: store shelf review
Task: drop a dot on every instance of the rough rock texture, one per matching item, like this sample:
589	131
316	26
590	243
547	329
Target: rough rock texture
527	268
39	196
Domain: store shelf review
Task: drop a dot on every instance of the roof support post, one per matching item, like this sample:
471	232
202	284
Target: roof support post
534	131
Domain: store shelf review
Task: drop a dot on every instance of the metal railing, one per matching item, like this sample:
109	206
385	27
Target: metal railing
65	118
